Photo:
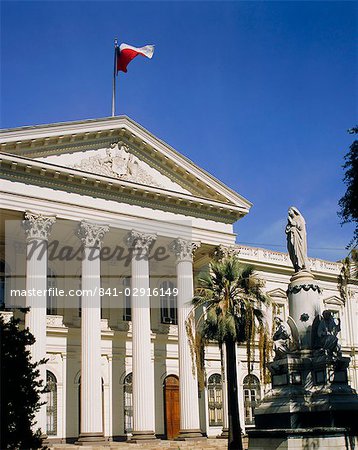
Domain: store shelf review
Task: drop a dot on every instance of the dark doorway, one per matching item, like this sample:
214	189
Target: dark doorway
171	406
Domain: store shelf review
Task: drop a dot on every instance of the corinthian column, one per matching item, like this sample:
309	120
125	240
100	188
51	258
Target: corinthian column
188	384
143	368
91	236
37	229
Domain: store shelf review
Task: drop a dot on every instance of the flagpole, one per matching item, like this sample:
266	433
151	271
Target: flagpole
114	78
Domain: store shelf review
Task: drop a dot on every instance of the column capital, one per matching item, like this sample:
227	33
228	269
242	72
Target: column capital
91	234
140	242
37	226
183	249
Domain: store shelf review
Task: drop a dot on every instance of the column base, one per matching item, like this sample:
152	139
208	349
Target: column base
90	438
224	434
142	436
188	435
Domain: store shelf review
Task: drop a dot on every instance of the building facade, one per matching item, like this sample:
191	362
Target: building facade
94	212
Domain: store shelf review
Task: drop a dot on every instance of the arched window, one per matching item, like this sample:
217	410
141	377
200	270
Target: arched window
251	397
168	303
51	292
215	400
128	403
127	311
4	281
51	404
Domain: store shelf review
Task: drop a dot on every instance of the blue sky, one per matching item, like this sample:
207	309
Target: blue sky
260	94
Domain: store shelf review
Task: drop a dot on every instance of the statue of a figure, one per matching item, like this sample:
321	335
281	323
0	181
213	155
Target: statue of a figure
281	338
297	239
327	331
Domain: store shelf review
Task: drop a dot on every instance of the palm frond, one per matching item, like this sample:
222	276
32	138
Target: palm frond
230	297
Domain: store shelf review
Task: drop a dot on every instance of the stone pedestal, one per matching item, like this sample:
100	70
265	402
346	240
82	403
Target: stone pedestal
308	392
308	438
304	304
311	403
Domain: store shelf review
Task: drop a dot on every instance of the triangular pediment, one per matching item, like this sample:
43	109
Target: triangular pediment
277	294
116	160
119	148
333	300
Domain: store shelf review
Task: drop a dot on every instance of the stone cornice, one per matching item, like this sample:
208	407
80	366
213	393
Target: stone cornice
44	174
30	141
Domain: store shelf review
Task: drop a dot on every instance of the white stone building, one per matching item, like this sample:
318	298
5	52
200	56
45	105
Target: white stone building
118	365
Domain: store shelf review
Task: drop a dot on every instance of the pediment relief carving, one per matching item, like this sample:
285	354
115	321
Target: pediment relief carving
118	163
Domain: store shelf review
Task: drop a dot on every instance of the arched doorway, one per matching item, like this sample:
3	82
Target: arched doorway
171	407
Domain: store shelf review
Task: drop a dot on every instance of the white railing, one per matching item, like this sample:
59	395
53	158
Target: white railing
273	257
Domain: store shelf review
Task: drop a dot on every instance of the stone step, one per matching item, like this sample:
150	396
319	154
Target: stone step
207	444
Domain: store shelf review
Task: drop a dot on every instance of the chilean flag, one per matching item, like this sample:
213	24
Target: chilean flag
125	54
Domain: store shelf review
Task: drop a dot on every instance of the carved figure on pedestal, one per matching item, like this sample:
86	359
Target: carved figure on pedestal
297	239
327	331
281	338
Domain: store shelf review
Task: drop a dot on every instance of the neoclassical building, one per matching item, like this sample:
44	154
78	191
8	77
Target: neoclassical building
103	230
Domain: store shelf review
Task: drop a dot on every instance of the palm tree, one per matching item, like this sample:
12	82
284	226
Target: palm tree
230	298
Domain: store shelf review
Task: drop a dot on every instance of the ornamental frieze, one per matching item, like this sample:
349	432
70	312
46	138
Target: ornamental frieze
306	287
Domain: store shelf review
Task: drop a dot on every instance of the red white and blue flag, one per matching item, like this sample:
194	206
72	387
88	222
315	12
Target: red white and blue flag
125	54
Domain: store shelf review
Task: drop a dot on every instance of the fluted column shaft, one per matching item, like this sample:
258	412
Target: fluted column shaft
91	236
188	384
143	368
37	229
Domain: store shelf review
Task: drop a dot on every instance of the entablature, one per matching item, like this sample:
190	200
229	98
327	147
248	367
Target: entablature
43	174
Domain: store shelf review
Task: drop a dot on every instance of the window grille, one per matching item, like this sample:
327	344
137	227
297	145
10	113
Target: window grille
251	387
4	281
51	292
51	404
215	400
128	403
168	303
127	310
